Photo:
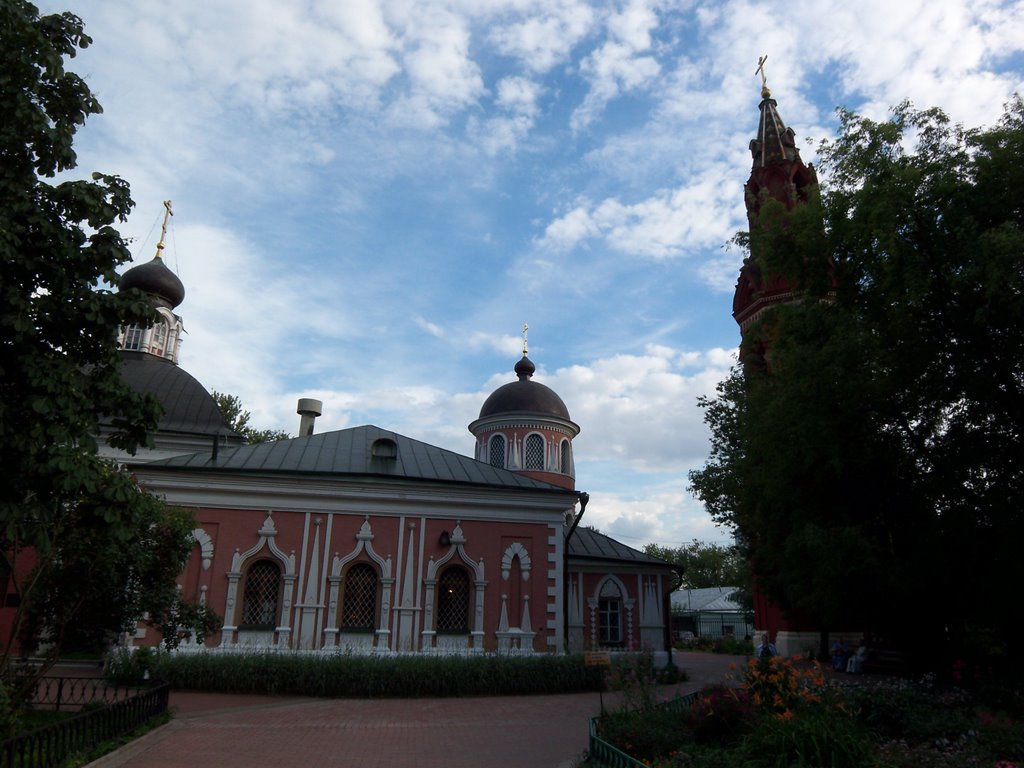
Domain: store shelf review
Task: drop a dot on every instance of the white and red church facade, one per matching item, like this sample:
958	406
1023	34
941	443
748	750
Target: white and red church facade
365	540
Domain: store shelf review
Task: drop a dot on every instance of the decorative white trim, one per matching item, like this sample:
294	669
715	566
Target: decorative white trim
457	547
364	543
514	550
202	538
266	533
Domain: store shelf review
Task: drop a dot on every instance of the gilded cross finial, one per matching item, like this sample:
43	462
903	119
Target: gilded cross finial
526	327
163	229
765	93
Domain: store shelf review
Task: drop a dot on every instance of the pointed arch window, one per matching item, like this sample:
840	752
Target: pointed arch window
359	605
565	459
496	451
534	452
453	601
262	595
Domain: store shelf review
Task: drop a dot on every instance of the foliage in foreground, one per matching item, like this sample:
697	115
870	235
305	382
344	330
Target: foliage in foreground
86	550
866	464
355	676
784	715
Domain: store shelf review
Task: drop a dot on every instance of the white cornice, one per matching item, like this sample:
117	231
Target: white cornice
364	497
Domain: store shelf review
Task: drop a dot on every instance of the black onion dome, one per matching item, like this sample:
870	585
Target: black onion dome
524	396
155	278
188	407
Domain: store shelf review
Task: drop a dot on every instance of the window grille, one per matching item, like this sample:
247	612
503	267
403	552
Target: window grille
566	458
497	454
133	338
262	591
159	333
360	603
453	601
534	458
609	621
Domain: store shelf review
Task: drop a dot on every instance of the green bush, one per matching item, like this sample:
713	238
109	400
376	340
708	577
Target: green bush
354	676
816	737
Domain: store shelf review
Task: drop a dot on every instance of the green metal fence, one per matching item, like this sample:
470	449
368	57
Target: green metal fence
605	755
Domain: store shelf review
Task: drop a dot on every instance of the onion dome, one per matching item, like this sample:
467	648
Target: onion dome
524	396
156	279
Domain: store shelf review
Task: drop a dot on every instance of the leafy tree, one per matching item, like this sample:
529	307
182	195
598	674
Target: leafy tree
83	550
238	419
869	463
705	564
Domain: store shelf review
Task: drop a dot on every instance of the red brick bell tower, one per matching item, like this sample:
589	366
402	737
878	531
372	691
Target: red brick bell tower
777	173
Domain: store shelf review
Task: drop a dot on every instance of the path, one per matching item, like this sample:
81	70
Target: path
225	731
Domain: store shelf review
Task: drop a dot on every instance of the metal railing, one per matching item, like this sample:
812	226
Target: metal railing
606	755
73	693
51	745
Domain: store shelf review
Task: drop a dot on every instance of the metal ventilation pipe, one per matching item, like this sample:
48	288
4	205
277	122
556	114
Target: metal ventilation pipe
308	410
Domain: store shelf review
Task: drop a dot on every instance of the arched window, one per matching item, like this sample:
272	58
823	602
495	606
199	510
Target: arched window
359	606
534	452
159	338
566	458
262	595
496	451
453	601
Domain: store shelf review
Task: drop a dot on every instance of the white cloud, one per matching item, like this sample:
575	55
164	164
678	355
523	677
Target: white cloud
541	41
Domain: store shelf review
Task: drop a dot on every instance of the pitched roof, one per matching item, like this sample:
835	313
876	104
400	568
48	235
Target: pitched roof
588	543
706	599
359	451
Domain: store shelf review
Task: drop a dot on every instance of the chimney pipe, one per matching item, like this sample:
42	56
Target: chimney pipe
308	409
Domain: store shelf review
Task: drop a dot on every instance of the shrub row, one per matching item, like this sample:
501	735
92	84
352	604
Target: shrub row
375	676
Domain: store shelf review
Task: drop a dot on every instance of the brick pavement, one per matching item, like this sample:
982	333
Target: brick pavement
225	731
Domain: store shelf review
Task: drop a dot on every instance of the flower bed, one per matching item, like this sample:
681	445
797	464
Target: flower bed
781	713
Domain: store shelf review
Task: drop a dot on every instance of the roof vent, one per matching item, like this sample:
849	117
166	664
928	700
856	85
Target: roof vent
384	448
308	409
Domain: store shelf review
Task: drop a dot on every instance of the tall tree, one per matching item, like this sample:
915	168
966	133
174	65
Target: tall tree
869	463
238	419
704	564
82	548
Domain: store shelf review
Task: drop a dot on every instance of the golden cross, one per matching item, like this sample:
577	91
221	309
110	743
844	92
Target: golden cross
163	229
760	69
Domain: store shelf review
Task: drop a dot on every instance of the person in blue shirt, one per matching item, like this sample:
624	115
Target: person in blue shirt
766	649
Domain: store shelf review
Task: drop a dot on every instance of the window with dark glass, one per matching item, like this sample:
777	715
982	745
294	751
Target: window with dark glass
496	456
262	594
453	601
534	450
359	605
566	458
609	625
133	338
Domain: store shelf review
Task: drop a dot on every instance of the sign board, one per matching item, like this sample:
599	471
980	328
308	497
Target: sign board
597	658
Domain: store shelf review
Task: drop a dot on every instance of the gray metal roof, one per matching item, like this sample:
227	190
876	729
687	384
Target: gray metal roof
717	599
588	543
188	407
359	451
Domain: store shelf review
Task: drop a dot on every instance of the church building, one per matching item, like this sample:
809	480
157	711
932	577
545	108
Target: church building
366	540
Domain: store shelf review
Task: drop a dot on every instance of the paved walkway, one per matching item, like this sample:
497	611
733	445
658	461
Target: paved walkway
224	731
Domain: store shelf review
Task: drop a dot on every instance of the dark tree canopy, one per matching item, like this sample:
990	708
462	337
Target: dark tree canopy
870	465
84	550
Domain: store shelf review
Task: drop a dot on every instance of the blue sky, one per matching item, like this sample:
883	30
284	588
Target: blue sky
371	197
